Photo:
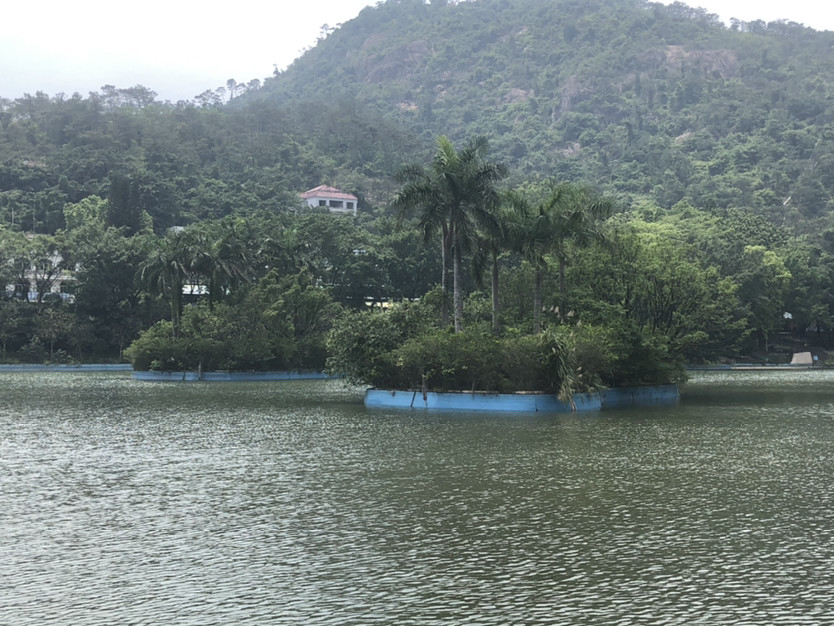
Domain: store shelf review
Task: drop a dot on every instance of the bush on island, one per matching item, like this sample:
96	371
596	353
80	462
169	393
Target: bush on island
387	349
281	324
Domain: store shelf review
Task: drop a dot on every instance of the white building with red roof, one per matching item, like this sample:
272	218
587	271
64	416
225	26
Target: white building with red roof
334	199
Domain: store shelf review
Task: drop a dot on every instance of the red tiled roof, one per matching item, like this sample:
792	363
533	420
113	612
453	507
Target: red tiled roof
323	191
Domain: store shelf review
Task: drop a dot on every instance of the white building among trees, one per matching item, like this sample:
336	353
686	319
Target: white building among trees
334	199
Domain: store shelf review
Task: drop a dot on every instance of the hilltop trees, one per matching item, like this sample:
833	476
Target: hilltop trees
648	102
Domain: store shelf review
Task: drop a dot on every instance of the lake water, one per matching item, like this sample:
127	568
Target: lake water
290	503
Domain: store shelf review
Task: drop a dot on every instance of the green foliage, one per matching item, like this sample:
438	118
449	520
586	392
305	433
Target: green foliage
155	349
643	358
279	324
719	139
33	352
108	295
658	101
392	349
13	324
649	277
643	99
369	348
361	344
470	360
454	196
89	212
763	281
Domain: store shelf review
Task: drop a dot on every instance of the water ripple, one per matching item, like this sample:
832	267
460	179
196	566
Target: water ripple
288	503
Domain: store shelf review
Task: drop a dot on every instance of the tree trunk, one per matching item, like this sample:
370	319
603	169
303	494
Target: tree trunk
495	303
212	291
176	308
562	291
444	282
458	287
537	303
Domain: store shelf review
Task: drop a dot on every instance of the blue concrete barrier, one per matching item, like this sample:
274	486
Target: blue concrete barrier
522	402
86	367
227	376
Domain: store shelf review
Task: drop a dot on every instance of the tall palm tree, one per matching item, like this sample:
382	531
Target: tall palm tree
568	213
491	244
165	270
222	257
455	195
575	213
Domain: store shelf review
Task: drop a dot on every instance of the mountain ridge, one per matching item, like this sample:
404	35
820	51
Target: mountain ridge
565	88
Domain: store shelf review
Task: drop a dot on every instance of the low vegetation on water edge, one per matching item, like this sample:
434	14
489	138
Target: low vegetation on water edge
403	349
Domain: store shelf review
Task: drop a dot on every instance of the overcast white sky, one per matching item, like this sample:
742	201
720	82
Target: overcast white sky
180	48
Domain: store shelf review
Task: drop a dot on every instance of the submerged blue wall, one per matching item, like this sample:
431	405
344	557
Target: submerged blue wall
618	397
227	376
522	402
85	367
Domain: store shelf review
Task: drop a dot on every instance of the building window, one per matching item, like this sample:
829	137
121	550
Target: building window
349	206
322	202
335	204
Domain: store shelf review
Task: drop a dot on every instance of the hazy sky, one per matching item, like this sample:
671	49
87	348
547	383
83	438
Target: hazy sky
180	48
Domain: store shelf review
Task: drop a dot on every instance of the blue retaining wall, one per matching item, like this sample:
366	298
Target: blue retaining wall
522	403
619	397
87	367
227	376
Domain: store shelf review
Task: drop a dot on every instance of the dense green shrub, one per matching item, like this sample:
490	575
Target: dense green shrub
361	346
381	349
280	324
33	352
646	360
443	360
156	349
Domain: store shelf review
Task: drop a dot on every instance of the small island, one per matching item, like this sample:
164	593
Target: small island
411	362
424	348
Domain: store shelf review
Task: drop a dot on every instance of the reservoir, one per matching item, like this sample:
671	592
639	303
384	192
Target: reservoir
127	502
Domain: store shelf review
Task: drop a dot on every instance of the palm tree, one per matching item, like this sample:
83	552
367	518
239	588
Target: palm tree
455	195
531	238
575	213
569	213
491	244
165	271
221	256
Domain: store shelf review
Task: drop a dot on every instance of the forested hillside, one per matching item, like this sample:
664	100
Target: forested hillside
650	102
179	163
646	100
